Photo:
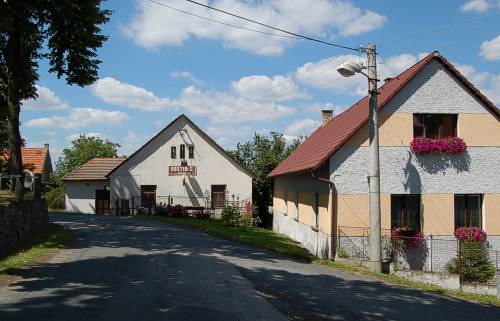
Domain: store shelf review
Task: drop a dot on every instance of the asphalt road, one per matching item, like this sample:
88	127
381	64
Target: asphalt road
129	269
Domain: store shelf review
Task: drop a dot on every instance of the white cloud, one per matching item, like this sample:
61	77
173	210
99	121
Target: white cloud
47	100
302	127
488	83
132	141
264	88
490	49
493	92
180	74
477	6
154	26
116	92
323	74
78	118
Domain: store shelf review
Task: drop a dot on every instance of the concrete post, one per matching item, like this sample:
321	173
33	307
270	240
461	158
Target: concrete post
498	286
374	167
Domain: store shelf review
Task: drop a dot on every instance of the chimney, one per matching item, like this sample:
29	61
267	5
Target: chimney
46	146
327	116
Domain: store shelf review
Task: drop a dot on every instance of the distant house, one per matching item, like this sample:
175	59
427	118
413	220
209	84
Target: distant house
321	189
179	165
36	162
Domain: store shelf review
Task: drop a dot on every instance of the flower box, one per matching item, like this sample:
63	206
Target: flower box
426	145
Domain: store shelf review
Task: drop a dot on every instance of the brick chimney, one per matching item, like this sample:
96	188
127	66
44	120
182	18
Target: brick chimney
327	115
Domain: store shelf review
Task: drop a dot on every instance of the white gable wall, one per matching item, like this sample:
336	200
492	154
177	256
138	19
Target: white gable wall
150	167
433	90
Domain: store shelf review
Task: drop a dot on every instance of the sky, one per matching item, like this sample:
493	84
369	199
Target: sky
159	63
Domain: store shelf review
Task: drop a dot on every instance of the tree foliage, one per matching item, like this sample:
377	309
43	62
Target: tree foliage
81	151
261	155
65	32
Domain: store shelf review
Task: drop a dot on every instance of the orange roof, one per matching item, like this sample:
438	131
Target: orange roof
325	141
34	158
94	170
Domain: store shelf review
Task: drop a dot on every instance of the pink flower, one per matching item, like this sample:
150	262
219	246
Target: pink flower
473	234
424	145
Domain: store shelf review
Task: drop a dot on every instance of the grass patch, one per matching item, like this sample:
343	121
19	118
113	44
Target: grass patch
397	280
256	236
40	248
283	245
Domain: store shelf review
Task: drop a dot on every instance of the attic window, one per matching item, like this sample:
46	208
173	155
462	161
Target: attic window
435	125
173	152
191	152
182	152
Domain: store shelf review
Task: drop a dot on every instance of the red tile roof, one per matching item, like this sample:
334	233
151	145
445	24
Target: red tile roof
325	141
94	170
34	158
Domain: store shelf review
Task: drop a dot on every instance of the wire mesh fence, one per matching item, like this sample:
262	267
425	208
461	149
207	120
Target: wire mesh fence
427	254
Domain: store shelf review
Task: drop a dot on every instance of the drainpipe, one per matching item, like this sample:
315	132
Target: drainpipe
333	231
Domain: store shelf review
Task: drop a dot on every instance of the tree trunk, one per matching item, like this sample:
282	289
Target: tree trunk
14	108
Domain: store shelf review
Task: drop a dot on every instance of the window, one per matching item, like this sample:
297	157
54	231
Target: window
405	211
435	125
468	210
191	152
173	152
148	196
182	153
218	196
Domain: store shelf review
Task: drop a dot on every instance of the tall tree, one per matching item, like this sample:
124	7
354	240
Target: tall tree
261	155
65	32
81	151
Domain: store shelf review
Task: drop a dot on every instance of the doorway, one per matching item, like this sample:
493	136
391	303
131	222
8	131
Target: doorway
102	201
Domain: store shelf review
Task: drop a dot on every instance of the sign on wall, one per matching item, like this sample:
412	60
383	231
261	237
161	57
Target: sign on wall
181	170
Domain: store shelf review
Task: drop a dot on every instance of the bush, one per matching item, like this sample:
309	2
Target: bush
231	215
473	261
55	198
176	210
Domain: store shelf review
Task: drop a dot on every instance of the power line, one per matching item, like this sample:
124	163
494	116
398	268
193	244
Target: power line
220	22
271	27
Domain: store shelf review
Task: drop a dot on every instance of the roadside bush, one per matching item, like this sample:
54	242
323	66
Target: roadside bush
55	198
473	261
177	211
234	216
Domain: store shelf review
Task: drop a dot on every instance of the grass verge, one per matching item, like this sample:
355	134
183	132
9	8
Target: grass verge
256	236
283	245
39	249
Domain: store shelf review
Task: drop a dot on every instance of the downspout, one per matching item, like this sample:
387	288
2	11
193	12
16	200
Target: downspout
333	231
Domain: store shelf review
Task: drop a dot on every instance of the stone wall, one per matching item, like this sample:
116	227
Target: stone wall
19	222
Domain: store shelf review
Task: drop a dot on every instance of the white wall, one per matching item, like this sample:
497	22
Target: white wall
150	167
80	195
433	90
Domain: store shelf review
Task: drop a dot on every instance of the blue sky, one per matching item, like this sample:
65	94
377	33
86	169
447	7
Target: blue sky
158	63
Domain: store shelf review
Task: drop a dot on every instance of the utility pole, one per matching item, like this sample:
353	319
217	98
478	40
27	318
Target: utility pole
374	166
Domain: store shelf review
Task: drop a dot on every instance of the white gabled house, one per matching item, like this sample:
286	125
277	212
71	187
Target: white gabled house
180	165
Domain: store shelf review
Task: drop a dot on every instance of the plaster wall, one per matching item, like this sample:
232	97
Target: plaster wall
80	195
150	166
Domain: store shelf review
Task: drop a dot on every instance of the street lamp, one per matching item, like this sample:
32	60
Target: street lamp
349	69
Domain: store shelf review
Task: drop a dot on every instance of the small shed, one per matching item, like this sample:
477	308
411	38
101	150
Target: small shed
87	188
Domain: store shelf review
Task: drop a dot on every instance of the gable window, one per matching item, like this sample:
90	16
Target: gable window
435	125
468	210
182	152
191	152
148	196
405	211
173	152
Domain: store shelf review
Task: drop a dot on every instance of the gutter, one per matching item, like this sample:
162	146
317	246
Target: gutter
333	235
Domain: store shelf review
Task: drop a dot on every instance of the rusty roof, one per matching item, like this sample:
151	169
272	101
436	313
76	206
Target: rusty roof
94	170
325	141
33	158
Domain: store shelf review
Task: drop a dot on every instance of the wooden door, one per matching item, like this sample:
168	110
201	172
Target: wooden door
102	202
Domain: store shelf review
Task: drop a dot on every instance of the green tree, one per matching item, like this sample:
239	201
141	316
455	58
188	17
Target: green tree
81	151
65	32
261	155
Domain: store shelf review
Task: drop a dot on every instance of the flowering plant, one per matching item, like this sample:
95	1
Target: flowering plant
406	237
425	145
473	234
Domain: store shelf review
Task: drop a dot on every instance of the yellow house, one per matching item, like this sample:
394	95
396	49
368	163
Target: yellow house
322	187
